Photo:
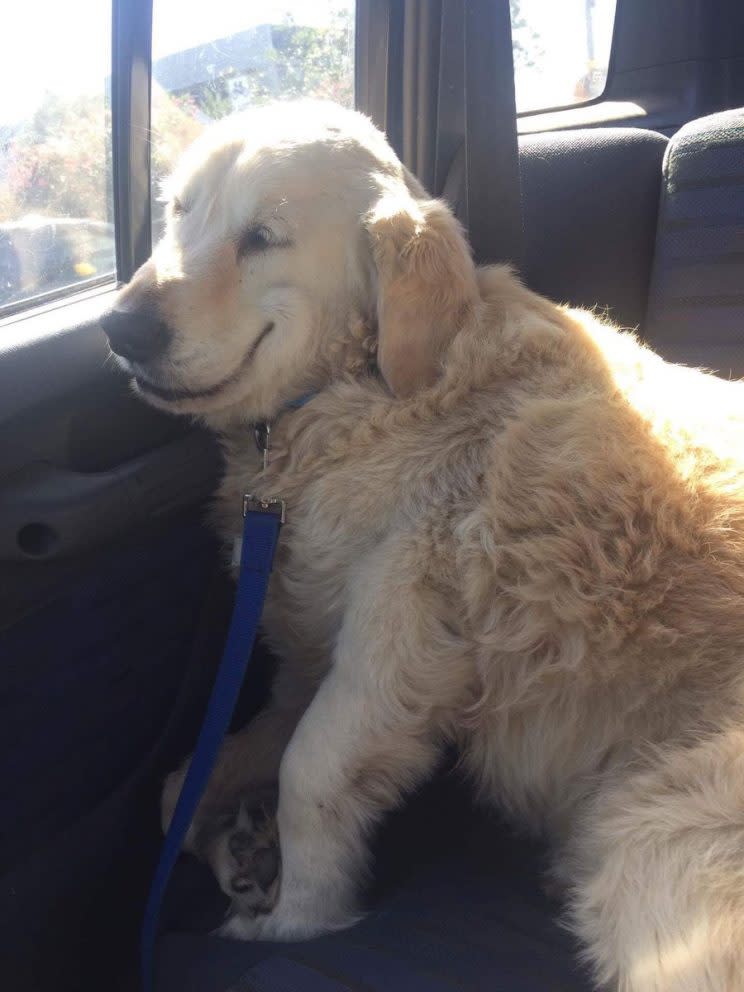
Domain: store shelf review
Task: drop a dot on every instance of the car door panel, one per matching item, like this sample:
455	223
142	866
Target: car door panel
98	632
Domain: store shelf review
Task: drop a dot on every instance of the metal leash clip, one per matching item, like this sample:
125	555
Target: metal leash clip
262	434
265	504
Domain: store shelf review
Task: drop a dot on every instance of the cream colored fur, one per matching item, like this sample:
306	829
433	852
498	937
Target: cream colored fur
526	537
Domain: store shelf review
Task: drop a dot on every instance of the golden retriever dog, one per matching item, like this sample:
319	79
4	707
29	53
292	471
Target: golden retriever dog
511	528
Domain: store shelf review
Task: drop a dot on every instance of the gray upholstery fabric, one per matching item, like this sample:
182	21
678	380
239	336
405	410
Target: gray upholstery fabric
696	303
458	907
589	205
589	201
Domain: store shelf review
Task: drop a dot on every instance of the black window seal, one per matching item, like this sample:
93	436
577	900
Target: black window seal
29	305
131	70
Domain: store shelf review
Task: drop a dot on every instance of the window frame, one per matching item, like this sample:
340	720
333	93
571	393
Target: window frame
131	84
131	75
11	312
131	69
131	108
524	115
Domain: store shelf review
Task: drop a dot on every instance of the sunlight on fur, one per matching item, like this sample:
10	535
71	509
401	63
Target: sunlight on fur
512	528
678	960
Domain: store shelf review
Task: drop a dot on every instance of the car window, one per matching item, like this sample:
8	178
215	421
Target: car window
561	51
209	60
214	59
56	201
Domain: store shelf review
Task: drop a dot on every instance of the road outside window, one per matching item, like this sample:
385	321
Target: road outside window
561	51
218	58
56	203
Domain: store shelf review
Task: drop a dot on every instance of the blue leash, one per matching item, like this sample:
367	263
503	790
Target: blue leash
262	522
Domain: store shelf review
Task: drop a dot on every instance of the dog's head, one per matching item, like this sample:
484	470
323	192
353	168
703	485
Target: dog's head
287	229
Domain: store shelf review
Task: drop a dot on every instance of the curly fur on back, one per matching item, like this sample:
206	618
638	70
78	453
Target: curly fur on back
573	509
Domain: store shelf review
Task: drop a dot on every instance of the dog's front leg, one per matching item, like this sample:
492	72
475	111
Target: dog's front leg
249	759
372	731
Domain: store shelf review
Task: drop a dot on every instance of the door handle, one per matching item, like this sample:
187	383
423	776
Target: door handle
47	512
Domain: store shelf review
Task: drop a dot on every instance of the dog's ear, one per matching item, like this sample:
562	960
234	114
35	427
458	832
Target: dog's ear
426	285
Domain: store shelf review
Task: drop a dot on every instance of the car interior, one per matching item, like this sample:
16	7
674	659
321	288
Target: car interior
615	183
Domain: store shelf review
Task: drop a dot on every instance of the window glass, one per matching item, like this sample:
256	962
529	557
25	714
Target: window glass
56	203
561	51
216	58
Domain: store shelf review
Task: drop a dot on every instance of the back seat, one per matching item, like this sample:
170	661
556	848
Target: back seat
589	205
696	304
459	907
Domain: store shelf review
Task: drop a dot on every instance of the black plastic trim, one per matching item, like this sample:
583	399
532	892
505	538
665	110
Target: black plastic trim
379	65
32	303
493	213
371	58
131	63
56	351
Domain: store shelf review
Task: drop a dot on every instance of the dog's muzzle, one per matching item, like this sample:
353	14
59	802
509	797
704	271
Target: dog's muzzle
137	335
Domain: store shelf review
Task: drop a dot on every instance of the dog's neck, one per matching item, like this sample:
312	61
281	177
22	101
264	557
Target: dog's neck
351	352
345	351
262	428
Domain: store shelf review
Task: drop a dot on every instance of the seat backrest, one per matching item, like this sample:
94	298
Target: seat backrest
590	199
589	202
696	300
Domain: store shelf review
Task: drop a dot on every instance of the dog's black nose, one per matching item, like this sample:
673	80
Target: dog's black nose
139	335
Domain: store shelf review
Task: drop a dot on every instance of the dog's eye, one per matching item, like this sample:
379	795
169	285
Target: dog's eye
253	240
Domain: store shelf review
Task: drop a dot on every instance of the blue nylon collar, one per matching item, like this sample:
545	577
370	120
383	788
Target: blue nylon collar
300	401
262	428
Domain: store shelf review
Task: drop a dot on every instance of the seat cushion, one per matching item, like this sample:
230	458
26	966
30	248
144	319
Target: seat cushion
458	906
696	302
589	202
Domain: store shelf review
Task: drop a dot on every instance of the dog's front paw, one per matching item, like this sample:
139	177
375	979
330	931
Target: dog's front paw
242	848
298	914
237	927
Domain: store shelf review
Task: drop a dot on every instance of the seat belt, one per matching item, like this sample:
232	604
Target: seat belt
492	189
491	207
262	520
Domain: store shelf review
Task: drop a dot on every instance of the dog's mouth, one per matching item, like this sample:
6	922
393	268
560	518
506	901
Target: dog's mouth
171	394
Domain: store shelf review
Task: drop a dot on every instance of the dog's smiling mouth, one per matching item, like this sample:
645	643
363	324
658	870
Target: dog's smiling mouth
173	395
